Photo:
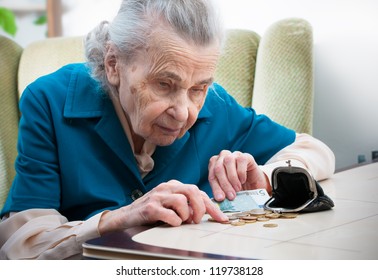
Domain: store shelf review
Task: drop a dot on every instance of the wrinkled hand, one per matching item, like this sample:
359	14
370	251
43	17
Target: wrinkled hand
173	203
232	172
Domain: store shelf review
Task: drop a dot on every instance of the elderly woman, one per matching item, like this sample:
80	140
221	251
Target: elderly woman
139	134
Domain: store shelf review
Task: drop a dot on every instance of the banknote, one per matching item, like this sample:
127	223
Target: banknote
244	201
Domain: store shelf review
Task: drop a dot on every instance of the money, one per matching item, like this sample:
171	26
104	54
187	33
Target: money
248	208
256	215
270	225
289	215
244	201
249	218
238	223
249	221
273	215
257	212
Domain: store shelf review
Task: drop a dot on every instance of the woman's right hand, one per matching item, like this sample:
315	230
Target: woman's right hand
172	202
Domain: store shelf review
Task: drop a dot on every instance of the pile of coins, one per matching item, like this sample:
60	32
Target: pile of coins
256	215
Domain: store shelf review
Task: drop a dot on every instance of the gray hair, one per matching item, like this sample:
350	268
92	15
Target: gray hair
194	20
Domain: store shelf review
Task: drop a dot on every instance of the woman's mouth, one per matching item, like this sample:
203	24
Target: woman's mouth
170	130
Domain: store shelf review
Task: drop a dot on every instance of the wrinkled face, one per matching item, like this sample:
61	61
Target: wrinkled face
163	89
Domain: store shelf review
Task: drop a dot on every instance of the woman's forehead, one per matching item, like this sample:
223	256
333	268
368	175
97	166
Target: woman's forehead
172	53
167	43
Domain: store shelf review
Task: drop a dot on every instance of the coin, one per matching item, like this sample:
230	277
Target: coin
257	212
249	221
249	218
238	223
270	225
289	215
242	218
273	215
232	218
262	219
212	220
240	215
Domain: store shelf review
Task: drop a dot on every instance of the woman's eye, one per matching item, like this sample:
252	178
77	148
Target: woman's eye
164	85
197	90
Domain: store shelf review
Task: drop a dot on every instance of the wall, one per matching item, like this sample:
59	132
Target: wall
26	11
346	59
99	10
346	65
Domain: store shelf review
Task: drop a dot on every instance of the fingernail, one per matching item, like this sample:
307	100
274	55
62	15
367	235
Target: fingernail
230	195
224	217
219	197
238	188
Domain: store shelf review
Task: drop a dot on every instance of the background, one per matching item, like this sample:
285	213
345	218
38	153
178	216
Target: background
345	56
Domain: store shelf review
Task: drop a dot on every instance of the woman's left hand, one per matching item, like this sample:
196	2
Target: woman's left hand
230	172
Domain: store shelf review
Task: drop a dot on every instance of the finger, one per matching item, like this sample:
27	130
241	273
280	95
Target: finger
163	204
179	204
218	193
190	219
150	210
230	163
193	201
242	163
213	210
196	204
168	216
220	174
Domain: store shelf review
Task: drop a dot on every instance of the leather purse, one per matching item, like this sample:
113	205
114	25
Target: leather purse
295	190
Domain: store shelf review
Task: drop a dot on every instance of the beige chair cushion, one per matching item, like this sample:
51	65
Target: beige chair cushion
46	56
9	59
284	74
235	71
236	66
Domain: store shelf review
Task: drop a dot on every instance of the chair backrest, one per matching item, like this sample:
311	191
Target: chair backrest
10	54
237	63
235	70
284	82
46	56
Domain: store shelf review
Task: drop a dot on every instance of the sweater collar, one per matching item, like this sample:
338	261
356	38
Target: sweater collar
85	98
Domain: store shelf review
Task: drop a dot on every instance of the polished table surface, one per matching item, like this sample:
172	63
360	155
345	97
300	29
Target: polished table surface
348	231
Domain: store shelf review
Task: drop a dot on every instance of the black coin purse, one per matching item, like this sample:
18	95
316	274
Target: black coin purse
295	190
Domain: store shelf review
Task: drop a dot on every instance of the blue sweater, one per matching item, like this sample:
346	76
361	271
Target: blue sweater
75	157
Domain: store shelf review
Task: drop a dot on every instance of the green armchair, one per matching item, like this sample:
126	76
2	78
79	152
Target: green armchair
273	72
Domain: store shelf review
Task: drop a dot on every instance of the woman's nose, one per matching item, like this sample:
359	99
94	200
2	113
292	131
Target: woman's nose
180	108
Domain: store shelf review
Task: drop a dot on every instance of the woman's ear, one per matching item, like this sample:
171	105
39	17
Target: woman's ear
112	66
